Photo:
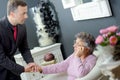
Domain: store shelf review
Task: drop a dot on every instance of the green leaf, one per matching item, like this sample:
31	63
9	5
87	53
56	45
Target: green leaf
104	44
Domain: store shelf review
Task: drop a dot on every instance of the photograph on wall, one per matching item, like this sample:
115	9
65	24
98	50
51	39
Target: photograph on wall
70	3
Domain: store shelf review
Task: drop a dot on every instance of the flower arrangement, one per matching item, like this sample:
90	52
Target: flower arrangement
46	23
108	36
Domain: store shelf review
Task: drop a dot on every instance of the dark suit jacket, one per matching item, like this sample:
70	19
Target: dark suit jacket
8	47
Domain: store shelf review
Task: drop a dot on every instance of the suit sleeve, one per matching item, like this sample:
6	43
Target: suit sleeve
23	48
5	62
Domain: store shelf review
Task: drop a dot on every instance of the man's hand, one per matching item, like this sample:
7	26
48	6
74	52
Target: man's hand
35	67
40	69
32	67
28	68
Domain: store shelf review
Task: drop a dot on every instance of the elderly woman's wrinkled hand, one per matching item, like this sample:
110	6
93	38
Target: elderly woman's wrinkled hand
79	51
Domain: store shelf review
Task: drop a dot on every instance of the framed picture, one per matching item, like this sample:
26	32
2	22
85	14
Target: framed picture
91	10
70	3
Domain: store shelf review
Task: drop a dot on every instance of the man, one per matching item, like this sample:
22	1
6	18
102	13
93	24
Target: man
11	40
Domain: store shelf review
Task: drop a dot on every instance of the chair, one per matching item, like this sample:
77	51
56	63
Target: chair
94	74
111	69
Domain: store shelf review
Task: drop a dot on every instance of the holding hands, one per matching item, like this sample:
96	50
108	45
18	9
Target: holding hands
32	67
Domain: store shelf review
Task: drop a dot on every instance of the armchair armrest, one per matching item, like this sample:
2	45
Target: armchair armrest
94	74
111	69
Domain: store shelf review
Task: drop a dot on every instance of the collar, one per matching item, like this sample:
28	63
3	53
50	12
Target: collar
9	25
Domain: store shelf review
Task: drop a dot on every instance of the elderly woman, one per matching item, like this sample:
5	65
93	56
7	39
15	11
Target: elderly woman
80	63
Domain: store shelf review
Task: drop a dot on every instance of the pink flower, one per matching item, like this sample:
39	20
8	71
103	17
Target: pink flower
118	34
99	39
105	35
113	40
103	31
109	36
112	28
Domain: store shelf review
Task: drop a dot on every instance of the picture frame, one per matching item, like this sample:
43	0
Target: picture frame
91	10
71	3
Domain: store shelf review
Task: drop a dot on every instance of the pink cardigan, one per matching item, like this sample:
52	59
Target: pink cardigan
73	66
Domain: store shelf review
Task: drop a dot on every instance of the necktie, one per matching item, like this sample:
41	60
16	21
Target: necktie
15	32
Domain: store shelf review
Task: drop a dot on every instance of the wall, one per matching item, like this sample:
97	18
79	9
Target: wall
2	7
69	27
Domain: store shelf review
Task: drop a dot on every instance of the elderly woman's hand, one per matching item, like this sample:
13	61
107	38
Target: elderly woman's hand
79	51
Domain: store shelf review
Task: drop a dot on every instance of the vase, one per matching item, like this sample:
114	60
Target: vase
109	64
106	52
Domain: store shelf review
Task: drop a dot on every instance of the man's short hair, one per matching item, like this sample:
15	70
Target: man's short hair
12	5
